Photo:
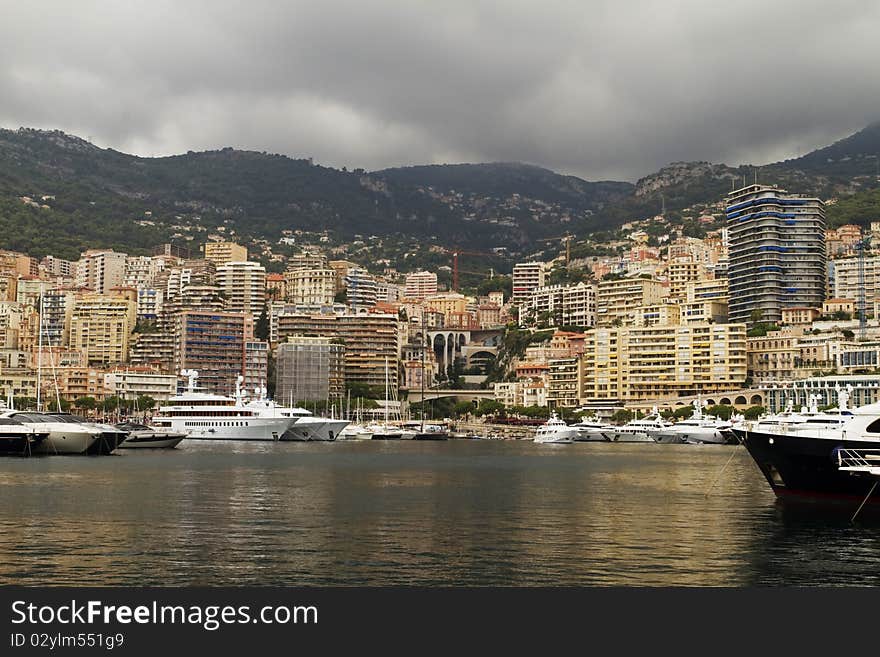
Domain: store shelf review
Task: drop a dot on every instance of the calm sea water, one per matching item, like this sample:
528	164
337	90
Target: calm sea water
417	513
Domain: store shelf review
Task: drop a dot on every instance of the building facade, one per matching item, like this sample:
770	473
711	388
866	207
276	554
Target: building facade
309	369
244	286
776	252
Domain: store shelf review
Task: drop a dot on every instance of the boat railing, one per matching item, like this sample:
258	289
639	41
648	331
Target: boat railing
859	460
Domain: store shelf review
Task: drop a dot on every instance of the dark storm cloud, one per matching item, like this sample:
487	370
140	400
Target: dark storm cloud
598	89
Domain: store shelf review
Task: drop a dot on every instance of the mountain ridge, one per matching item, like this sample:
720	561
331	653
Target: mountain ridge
259	195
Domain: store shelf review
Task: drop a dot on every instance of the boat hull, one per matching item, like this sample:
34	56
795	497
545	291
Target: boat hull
158	441
431	435
631	437
107	443
67	442
669	437
800	468
20	445
251	428
592	435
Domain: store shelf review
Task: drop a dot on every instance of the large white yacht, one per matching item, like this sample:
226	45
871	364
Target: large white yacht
208	416
592	429
555	431
697	429
306	427
643	430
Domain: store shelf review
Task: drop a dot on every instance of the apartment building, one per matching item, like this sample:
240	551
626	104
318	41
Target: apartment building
222	252
845	277
131	383
213	343
360	288
776	251
101	326
642	363
564	383
244	286
100	270
420	284
564	305
310	286
617	299
774	356
681	271
527	277
310	369
371	341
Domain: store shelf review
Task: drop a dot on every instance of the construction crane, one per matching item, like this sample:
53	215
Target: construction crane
455	271
567	240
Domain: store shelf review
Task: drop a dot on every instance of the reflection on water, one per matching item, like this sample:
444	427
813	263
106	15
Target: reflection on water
451	513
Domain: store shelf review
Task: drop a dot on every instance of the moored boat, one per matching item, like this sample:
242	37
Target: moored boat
801	459
17	439
697	429
591	429
642	430
555	431
64	437
206	416
142	436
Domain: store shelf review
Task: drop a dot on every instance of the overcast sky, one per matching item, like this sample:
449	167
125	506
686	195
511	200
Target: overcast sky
603	90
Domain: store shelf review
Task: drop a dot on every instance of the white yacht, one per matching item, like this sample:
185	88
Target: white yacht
141	436
697	429
642	430
64	437
355	432
809	418
207	416
555	431
592	429
306	426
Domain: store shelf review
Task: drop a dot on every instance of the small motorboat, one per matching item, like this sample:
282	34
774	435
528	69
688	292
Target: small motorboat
146	437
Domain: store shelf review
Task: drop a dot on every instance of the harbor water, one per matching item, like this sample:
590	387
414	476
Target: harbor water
465	512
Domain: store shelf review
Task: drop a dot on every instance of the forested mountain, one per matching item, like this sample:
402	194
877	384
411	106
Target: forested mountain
60	194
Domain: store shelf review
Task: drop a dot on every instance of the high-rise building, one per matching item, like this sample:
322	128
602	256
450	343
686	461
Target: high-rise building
527	277
420	284
564	305
776	252
244	285
141	271
309	369
57	267
100	270
212	343
57	309
360	288
372	341
845	276
223	252
617	299
659	362
311	287
256	365
100	326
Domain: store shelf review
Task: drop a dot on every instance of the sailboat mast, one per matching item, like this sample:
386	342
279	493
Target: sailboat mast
386	391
